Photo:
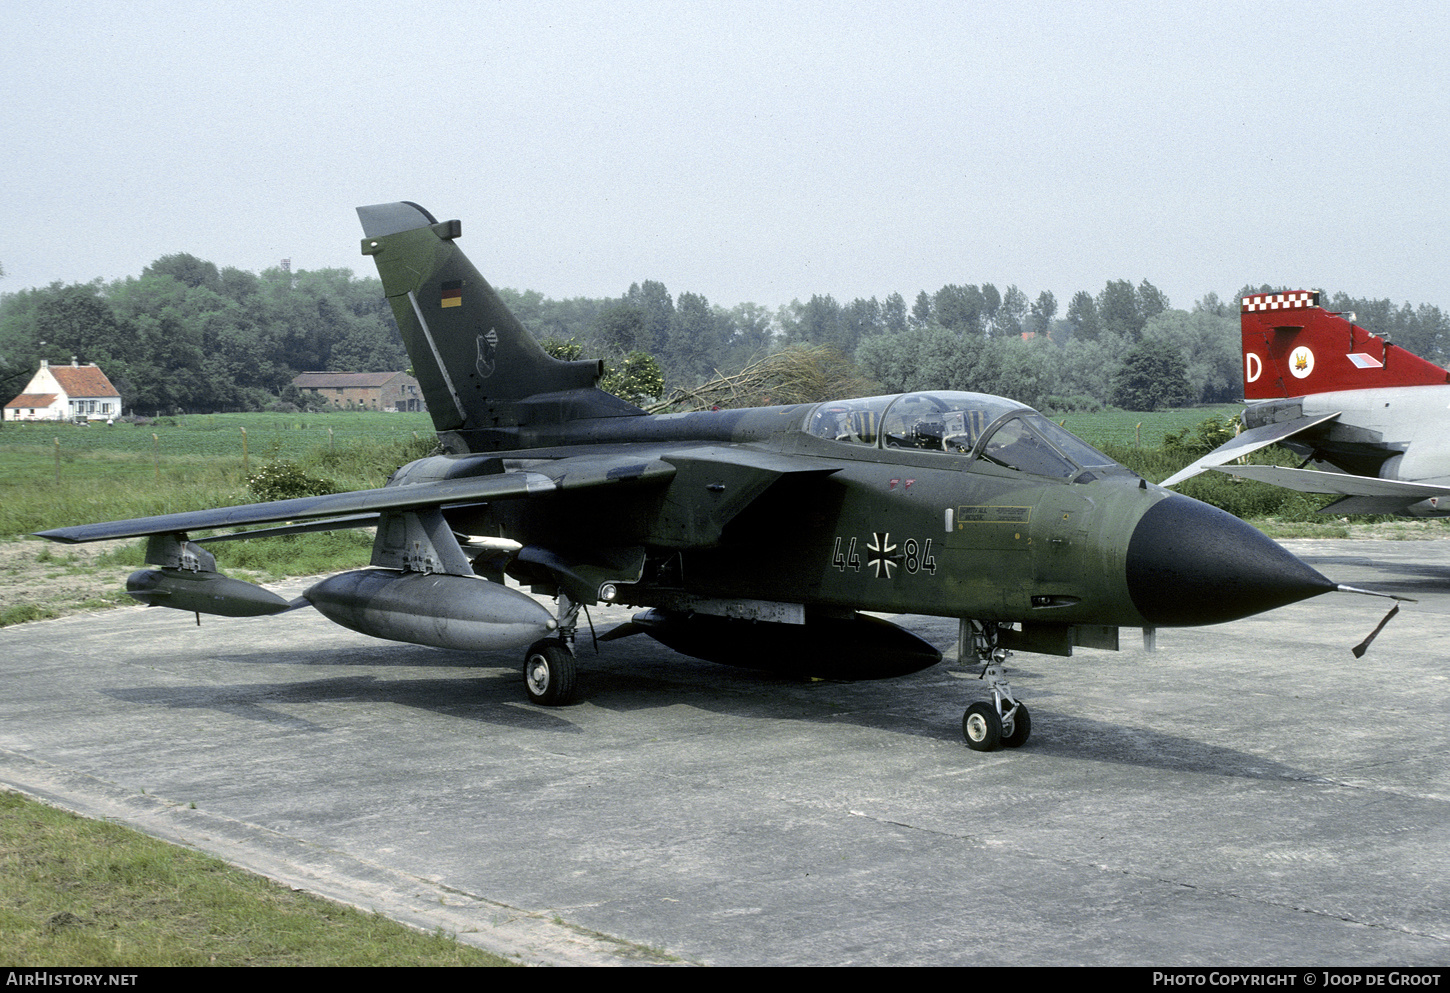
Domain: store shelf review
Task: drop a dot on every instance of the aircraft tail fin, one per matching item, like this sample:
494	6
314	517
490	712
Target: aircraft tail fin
488	383
1293	347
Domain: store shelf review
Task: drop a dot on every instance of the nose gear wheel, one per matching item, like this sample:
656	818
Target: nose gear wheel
1004	722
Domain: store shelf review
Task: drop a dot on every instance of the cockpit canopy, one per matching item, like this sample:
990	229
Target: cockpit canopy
966	425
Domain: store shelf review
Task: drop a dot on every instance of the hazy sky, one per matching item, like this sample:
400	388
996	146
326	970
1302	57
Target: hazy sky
747	152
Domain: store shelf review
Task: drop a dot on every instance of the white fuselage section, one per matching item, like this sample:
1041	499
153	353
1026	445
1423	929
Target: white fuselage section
1411	422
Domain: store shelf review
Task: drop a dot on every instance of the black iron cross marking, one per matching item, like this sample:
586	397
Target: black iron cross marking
884	557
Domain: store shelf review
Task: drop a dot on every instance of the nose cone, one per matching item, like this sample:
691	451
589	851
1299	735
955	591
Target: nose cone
1189	563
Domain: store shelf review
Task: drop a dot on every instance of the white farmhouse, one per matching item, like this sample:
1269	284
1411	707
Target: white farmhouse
65	392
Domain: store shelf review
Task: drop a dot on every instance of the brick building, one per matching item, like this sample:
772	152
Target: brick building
364	390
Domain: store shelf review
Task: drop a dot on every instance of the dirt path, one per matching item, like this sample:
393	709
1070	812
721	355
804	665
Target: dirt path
41	579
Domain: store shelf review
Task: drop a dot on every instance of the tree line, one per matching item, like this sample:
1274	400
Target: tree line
186	335
1124	346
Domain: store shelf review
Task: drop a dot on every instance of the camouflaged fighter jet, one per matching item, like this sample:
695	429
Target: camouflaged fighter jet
753	537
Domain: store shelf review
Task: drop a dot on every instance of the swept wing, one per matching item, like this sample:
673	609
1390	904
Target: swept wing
559	475
1249	441
1361	494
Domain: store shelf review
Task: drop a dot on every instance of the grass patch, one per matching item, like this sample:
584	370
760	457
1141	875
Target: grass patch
1132	428
295	555
76	892
20	613
61	475
1327	528
129	554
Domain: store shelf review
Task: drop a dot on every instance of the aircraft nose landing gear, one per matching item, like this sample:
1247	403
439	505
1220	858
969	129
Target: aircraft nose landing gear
982	727
1003	722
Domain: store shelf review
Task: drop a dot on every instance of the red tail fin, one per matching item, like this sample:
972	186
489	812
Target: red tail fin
1293	347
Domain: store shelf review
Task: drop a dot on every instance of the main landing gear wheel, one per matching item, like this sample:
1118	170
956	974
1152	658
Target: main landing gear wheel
549	673
982	727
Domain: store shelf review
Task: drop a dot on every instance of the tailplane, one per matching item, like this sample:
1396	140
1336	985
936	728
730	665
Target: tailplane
1292	347
488	384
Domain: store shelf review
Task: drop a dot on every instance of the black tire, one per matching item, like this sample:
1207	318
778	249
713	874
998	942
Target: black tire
982	727
1021	729
549	673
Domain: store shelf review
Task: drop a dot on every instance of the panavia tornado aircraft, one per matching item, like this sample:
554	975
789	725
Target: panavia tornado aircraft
1371	417
754	537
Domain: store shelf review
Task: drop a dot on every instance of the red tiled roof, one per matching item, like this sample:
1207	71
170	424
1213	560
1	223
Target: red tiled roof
83	381
33	400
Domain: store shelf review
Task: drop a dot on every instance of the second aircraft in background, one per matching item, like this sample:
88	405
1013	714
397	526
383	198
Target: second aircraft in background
1370	418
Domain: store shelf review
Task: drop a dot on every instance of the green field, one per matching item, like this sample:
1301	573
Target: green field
53	475
1129	427
133	451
